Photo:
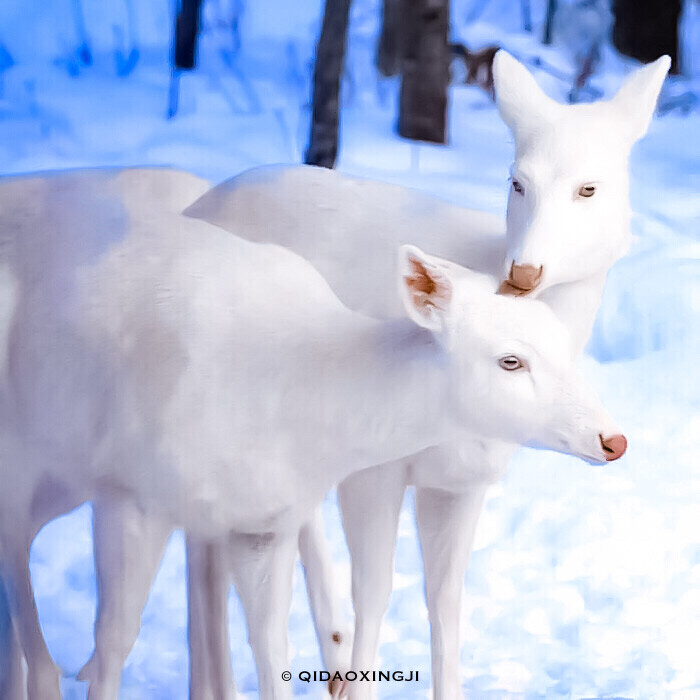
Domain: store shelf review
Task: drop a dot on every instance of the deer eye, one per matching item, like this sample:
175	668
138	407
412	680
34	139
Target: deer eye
510	363
517	187
586	191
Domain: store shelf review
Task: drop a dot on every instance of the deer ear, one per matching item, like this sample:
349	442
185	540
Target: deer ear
636	99
426	287
521	102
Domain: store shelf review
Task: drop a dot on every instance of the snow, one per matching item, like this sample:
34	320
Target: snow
584	581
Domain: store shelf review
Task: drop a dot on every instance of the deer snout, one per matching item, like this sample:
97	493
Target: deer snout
613	447
522	279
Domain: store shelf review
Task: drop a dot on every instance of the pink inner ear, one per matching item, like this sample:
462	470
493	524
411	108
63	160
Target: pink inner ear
420	281
426	288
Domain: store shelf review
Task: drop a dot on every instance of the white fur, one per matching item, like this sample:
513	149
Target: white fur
96	206
346	227
82	211
328	209
558	149
220	386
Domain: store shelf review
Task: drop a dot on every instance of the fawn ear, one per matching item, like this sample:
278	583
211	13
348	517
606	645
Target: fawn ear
521	102
426	287
636	100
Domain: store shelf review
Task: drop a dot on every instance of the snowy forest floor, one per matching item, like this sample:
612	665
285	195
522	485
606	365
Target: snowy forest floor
584	582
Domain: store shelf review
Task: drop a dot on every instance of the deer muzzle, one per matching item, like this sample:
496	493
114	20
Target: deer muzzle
613	447
522	279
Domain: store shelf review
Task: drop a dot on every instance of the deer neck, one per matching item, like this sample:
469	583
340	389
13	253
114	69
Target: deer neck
576	305
388	397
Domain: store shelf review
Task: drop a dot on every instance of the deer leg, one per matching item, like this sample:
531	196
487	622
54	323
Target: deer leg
263	568
334	635
128	546
370	502
446	527
13	685
208	578
42	674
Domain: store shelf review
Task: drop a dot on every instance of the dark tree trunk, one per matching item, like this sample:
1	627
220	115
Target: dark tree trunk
647	29
330	56
526	15
390	51
84	53
186	30
425	71
549	21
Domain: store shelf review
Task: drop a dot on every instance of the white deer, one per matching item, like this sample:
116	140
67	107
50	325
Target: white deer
90	206
99	204
567	223
220	386
419	217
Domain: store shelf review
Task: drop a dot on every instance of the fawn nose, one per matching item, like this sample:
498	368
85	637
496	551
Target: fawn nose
613	446
522	279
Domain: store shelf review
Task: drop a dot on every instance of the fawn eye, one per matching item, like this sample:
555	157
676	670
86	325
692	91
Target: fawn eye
510	363
517	187
586	191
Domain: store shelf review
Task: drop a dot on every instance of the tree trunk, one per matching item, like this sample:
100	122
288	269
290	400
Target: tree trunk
425	71
549	21
186	30
330	55
647	29
390	51
526	15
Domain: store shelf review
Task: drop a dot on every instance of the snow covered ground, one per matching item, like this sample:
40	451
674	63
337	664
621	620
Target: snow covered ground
585	582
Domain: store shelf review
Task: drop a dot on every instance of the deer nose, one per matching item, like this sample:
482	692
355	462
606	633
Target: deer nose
613	446
522	279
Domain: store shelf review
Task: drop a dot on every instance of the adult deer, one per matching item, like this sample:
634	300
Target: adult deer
220	386
413	214
96	205
567	223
